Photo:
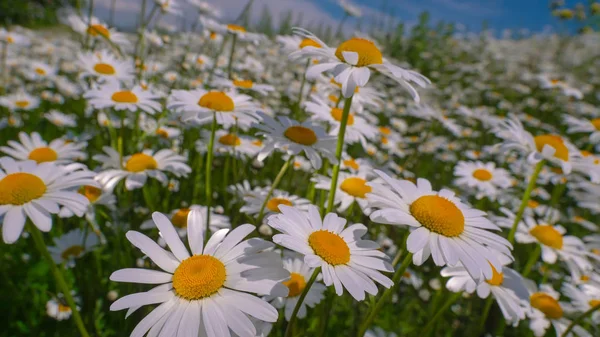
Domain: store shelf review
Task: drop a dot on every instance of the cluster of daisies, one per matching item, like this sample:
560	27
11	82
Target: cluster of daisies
262	178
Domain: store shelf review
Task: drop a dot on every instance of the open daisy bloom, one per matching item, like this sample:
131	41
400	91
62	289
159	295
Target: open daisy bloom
203	291
20	101
346	260
351	63
35	191
445	228
351	187
113	95
103	65
35	148
72	245
486	178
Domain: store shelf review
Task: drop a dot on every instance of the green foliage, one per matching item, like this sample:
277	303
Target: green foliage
31	12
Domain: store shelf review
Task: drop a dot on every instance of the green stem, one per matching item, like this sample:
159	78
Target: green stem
273	187
303	82
60	280
230	65
216	60
87	36
387	293
338	153
486	311
579	319
290	326
525	199
439	313
4	73
533	258
208	182
148	197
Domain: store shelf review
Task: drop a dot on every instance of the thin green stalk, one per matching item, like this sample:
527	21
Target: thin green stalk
273	187
89	22
4	72
338	153
148	197
533	258
525	199
290	326
579	319
231	54
216	61
60	280
303	82
208	182
386	294
440	313
486	311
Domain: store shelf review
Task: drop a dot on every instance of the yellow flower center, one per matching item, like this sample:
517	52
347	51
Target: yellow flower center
63	308
548	236
257	142
40	71
337	113
330	247
594	303
10	40
22	104
562	152
301	135
95	30
439	215
356	187
246	84
20	188
162	133
309	42
352	163
213	35
295	284
92	193
104	69
385	130
273	204
125	96
43	154
198	277
216	100
236	28
482	174
584	278
596	123
140	162
532	204
73	251
230	140
333	98
546	304
368	53
497	278
179	219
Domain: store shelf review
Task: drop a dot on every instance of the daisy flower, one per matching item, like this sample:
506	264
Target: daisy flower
254	203
293	137
179	219
71	246
205	8
61	119
13	38
95	28
136	169
103	65
169	6
445	228
379	332
20	101
300	273
238	31
40	70
35	148
346	260
199	105
113	95
351	187
351	63
592	127
486	178
57	308
35	191
244	84
228	143
584	298
204	291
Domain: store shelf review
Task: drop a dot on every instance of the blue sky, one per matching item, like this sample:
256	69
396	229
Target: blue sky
499	14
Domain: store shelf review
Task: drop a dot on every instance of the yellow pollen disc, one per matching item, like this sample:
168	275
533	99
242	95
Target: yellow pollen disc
594	303
22	104
104	69
352	163
497	278
546	304
40	71
63	308
43	154
562	152
548	236
309	42
482	174
92	193
125	96
385	130
230	140
295	284
333	98
273	204
213	35
301	135
368	53
162	133
384	140
73	251
584	278
10	40
140	162
179	219
439	215
337	113
356	187
330	247
95	30
246	84
532	204
20	188
236	28
596	251
596	123
406	274
216	100
257	142
198	277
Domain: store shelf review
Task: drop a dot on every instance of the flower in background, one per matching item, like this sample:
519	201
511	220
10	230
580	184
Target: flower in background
72	245
35	148
113	95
